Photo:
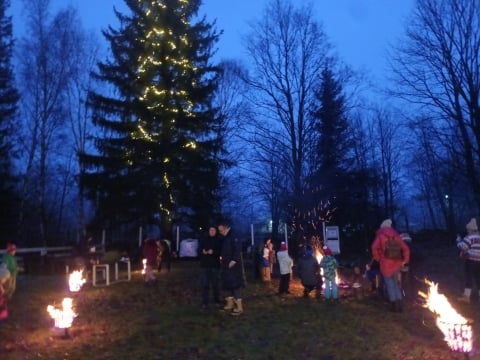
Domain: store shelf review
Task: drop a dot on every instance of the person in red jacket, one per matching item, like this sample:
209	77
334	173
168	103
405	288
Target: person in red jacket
392	253
150	253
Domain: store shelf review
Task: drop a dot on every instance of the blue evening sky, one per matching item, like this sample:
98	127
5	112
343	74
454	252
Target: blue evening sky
360	30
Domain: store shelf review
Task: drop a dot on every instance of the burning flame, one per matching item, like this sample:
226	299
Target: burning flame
144	270
76	281
456	329
63	317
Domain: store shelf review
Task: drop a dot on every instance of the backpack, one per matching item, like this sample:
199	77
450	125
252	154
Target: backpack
393	249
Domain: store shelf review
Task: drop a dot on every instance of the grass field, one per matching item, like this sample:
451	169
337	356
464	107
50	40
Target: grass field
129	320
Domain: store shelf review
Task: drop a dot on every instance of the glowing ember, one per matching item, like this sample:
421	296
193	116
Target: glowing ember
76	281
456	329
63	317
144	270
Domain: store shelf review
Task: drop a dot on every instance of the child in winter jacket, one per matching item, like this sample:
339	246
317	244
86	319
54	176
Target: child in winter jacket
329	265
4	277
10	261
285	263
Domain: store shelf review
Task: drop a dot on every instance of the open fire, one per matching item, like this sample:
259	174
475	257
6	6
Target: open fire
144	269
63	317
456	329
76	281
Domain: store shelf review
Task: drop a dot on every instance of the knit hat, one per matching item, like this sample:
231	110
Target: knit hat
11	247
283	246
386	223
327	251
4	273
472	225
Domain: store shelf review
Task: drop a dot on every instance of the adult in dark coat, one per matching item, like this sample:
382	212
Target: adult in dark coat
231	268
308	270
209	253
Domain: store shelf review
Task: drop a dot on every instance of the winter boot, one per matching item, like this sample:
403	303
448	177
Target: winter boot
238	307
466	295
230	304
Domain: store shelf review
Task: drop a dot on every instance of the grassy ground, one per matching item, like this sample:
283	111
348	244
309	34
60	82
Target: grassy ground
131	321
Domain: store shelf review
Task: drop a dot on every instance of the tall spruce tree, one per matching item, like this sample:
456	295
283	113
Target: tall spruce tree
8	107
157	156
329	179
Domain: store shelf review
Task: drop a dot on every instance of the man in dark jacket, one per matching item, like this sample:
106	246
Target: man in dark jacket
210	263
231	268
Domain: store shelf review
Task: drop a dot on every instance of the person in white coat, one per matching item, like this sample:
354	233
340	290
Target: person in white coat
285	263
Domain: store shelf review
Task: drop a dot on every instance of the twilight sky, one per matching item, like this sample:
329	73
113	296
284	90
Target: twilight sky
360	30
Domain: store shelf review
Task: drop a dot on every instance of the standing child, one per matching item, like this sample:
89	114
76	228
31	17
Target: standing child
285	263
4	276
265	264
10	260
329	265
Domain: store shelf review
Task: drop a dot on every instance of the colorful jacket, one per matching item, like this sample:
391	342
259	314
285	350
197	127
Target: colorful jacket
329	265
11	262
388	267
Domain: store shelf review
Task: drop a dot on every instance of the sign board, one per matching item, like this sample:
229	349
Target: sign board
332	239
189	248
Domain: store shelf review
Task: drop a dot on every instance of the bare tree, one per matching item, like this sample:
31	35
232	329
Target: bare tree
437	68
46	67
288	49
79	114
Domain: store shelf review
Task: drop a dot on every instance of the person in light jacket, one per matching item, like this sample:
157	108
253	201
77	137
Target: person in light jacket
285	264
469	247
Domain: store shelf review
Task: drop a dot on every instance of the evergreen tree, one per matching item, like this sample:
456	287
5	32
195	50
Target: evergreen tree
8	108
331	128
157	157
329	180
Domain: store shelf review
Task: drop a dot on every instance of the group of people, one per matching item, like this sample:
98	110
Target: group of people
220	254
390	254
8	278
